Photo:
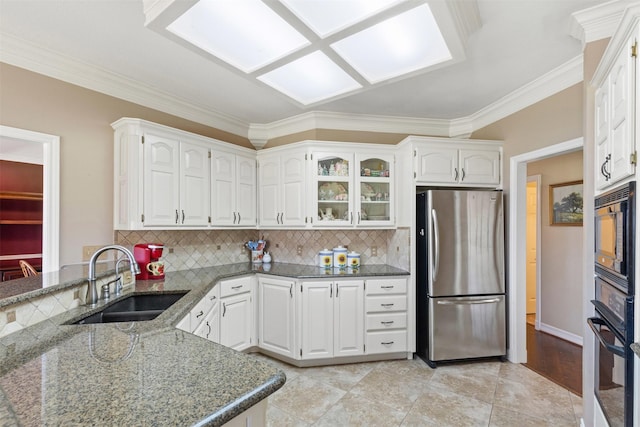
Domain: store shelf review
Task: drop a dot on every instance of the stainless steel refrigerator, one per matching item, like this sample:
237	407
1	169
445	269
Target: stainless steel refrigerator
460	288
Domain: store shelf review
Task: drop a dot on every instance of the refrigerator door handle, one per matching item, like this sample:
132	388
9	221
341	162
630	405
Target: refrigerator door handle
469	302
436	246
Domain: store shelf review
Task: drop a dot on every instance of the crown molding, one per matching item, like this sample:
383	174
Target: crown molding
558	79
597	22
23	54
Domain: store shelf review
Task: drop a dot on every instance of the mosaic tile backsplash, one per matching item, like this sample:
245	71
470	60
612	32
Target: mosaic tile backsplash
186	249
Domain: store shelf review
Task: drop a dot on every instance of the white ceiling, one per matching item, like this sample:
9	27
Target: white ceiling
104	45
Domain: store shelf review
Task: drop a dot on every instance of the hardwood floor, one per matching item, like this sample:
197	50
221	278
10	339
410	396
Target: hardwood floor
555	359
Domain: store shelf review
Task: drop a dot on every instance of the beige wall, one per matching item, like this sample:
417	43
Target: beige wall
560	250
82	119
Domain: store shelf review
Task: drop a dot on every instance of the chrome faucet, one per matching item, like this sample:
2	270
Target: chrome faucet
92	291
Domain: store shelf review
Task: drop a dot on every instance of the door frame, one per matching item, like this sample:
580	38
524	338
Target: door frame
517	351
51	189
538	180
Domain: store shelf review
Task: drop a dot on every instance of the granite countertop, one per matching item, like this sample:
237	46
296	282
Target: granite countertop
139	372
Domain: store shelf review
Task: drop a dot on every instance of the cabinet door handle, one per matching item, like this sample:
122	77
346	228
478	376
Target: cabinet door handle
388	322
291	290
183	216
235	288
239	217
176	216
387	305
462	179
212	298
387	287
234	217
387	343
337	289
330	291
224	308
199	314
358	217
209	326
351	213
455	178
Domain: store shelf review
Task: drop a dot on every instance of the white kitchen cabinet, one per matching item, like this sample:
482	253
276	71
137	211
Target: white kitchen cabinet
332	320
386	315
457	164
233	189
236	317
615	107
282	188
204	318
176	182
353	189
375	191
276	315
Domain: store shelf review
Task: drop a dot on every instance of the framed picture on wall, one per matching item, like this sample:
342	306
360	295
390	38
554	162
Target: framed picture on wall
565	203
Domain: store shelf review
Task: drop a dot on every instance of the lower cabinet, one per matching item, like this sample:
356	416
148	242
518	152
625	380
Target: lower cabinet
224	315
332	319
386	313
236	317
276	315
305	320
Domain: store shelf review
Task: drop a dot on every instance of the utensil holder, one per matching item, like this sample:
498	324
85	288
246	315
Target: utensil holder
256	257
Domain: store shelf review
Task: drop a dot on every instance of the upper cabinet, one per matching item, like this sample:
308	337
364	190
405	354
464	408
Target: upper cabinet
455	163
233	189
176	182
615	106
282	181
167	178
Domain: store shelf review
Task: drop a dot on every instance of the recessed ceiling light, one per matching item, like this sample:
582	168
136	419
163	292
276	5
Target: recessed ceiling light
244	33
400	45
326	17
310	79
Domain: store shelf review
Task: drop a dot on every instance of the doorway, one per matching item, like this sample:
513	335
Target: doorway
517	352
22	145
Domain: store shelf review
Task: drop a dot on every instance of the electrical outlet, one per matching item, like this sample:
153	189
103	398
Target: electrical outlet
88	251
299	249
374	251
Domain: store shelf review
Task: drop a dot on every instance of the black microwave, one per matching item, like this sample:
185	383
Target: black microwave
614	232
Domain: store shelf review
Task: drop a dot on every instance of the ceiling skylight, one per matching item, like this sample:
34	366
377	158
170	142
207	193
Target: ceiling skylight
244	33
326	17
312	50
310	79
400	45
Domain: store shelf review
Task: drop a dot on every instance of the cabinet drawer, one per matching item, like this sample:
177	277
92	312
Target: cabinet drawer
386	286
381	304
386	341
234	287
383	321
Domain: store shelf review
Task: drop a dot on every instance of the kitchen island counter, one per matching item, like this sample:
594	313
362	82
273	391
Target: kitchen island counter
138	373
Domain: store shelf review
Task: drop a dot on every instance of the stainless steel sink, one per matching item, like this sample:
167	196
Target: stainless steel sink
133	308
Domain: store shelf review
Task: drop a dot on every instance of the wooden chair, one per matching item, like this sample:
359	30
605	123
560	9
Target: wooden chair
27	269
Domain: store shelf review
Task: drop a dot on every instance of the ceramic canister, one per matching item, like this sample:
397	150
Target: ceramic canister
353	259
325	258
340	257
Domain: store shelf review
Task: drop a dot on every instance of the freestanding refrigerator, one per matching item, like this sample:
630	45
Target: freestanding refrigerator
460	289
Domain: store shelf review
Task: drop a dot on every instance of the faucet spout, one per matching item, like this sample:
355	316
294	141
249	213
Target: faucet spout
92	291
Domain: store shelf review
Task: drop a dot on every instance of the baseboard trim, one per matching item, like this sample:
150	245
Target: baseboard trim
560	333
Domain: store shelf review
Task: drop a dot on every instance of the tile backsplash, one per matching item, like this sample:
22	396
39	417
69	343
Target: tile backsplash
186	249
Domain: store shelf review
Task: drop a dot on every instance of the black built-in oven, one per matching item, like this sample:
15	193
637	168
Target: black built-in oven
613	302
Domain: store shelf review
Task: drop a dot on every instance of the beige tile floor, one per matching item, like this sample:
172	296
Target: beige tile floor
409	393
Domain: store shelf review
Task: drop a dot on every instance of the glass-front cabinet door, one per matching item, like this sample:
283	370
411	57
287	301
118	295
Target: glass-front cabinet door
333	189
375	190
